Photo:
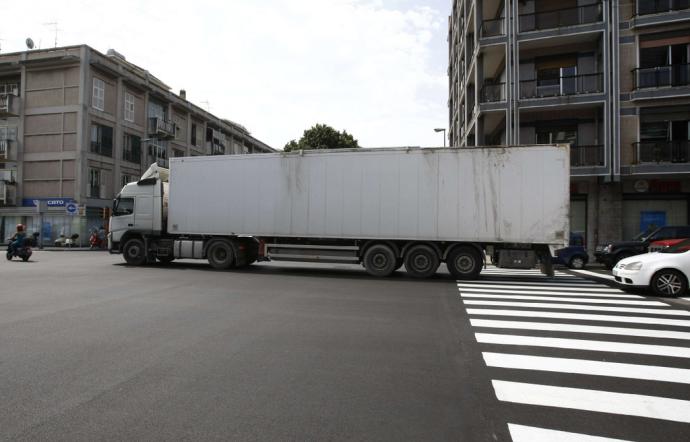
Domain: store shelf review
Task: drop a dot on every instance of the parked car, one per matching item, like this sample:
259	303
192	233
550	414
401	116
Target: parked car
658	246
665	272
575	255
611	253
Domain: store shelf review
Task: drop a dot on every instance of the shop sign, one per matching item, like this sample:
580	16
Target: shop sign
664	186
641	186
49	202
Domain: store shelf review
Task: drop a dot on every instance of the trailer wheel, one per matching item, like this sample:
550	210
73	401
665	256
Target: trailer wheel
134	252
220	255
421	261
464	263
380	260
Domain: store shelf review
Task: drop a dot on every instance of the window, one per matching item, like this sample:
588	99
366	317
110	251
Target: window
126	179
129	107
123	206
98	94
158	149
102	140
94	190
8	133
193	134
557	134
131	148
9	88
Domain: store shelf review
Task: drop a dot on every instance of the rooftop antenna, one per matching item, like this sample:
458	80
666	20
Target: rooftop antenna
54	24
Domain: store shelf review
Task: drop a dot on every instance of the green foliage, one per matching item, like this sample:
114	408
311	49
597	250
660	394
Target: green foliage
322	136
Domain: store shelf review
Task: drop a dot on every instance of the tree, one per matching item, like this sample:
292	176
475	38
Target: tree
322	136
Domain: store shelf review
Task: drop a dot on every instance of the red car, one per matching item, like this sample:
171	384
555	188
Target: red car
664	243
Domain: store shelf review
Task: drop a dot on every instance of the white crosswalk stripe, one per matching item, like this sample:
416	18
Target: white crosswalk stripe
607	339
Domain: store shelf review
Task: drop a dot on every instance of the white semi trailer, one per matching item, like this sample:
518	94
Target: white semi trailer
379	207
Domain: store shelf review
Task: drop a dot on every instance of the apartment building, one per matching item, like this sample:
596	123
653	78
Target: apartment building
609	77
76	125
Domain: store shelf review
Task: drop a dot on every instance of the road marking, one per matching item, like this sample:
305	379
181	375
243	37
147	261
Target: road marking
583	344
545	292
566	299
522	433
574	328
598	275
579	316
676	410
529	287
600	308
581	366
578	283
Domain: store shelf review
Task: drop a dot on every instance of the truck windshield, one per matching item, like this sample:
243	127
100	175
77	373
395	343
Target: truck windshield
680	247
123	206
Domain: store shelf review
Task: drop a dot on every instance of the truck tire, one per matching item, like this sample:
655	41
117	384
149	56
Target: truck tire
134	252
379	260
421	261
464	262
221	255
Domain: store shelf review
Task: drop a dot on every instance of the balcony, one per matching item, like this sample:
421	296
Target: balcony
493	28
558	18
587	156
565	85
493	93
4	149
661	6
677	151
161	129
9	105
662	76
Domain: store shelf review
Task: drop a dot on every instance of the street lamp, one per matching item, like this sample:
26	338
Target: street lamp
440	129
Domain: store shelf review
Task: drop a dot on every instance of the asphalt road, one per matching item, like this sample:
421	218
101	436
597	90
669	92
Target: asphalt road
91	349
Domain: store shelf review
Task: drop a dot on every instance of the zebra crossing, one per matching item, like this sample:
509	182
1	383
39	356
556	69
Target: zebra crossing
562	347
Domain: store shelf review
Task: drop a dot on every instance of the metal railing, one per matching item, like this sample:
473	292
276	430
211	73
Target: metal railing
659	6
492	93
4	148
132	155
102	149
677	151
558	18
662	76
159	126
5	101
587	156
566	85
493	27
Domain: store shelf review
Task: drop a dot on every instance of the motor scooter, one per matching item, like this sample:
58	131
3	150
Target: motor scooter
95	240
24	252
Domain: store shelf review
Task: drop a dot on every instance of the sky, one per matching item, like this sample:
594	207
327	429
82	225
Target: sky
376	68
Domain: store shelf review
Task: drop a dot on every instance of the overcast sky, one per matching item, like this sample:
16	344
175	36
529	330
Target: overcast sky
376	68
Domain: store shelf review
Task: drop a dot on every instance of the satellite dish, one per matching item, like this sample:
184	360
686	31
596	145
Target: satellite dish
29	43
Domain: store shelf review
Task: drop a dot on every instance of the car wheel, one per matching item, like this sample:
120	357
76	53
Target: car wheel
669	282
380	260
134	252
577	262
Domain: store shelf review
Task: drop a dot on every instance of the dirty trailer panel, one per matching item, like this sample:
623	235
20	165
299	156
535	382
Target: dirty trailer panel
509	195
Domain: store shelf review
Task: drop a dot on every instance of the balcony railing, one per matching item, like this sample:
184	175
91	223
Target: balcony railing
566	85
493	28
662	76
8	106
4	148
102	149
492	93
558	18
587	156
161	129
659	6
677	151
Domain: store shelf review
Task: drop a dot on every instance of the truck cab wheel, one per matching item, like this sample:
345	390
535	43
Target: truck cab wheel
380	260
134	252
421	261
464	263
221	255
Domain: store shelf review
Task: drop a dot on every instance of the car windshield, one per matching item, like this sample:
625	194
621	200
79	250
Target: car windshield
680	247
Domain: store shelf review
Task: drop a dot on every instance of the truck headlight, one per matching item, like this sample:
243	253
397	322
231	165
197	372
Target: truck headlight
637	265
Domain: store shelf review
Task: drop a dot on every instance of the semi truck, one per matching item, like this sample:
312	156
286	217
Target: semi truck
381	208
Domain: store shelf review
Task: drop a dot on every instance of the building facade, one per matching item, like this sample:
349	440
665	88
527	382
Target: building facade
76	125
609	77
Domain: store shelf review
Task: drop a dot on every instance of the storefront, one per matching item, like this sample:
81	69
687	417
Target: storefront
654	203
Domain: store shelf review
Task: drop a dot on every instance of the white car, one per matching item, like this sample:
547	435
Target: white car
666	272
